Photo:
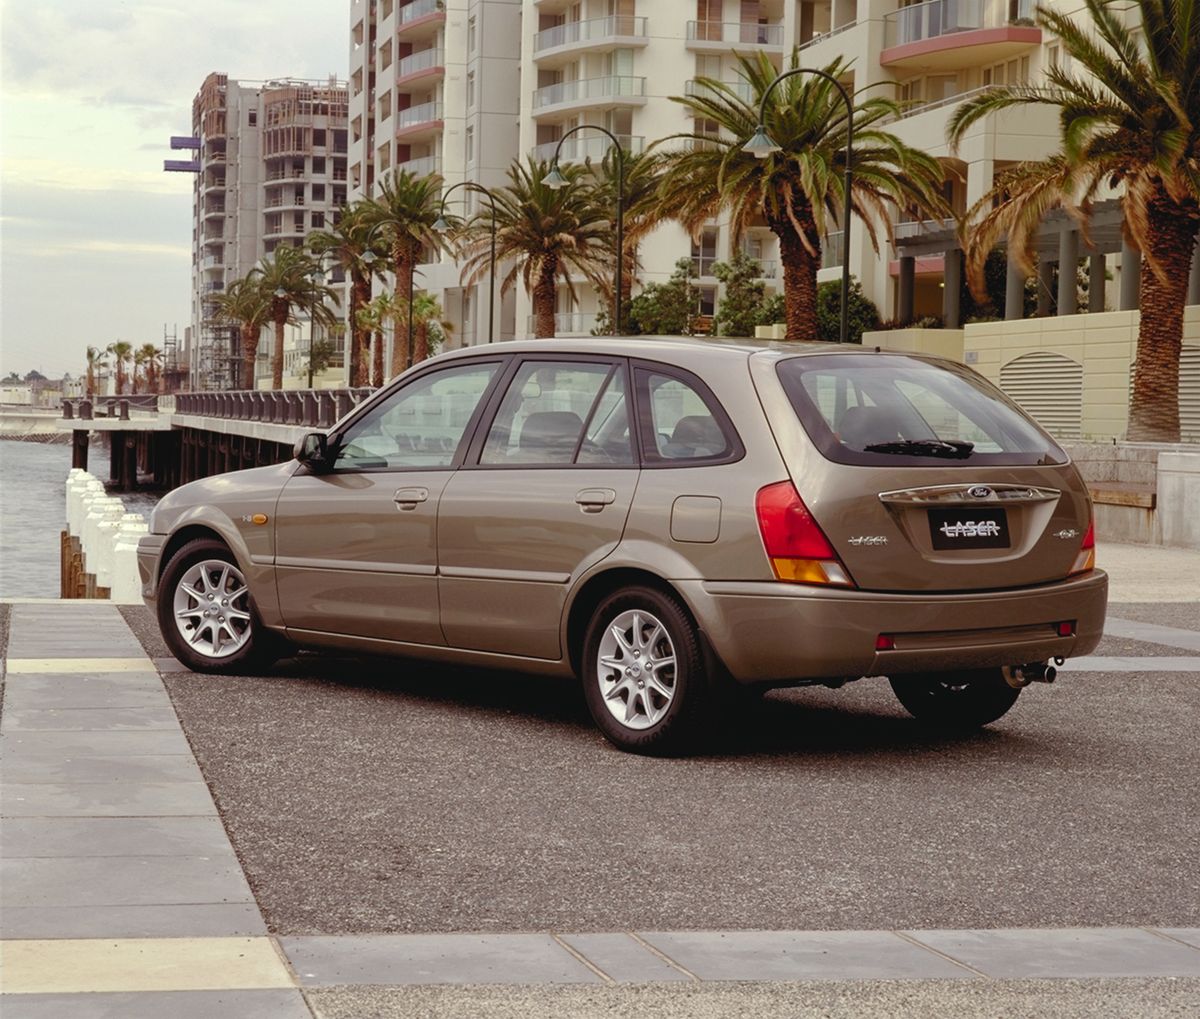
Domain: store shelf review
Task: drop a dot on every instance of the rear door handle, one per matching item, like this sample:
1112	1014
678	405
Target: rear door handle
593	500
409	498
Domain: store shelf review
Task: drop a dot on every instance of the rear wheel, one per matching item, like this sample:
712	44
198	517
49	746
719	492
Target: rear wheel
206	614
644	676
956	700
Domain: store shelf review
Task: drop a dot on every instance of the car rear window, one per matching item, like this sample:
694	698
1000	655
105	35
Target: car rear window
874	409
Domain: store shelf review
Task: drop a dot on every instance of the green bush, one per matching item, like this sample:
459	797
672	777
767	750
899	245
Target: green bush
862	315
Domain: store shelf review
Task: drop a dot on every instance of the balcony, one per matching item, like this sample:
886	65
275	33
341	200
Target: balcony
742	89
944	101
954	34
595	34
585	93
418	120
567	323
421	17
419	66
422	166
717	37
816	40
579	147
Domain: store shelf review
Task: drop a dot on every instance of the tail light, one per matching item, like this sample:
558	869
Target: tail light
1086	560
795	544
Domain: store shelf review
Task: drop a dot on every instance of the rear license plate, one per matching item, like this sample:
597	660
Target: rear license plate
968	528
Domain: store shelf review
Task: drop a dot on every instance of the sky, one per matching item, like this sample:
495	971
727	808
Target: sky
94	236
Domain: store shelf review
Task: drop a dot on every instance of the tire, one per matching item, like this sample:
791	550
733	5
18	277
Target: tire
205	631
956	701
655	710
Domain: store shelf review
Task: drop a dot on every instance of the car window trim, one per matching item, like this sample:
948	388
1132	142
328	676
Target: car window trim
650	458
472	459
460	451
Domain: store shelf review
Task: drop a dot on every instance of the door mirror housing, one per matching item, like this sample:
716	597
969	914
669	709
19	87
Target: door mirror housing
312	450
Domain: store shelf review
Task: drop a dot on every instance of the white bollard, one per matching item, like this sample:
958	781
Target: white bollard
76	493
104	508
126	586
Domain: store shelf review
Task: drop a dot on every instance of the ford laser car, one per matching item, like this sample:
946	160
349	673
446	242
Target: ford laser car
670	521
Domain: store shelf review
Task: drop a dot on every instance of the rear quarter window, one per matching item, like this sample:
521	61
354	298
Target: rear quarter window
891	410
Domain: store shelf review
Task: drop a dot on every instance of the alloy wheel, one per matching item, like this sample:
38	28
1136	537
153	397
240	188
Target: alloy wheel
212	608
635	667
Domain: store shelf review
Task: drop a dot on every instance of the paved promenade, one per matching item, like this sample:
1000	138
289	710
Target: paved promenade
123	895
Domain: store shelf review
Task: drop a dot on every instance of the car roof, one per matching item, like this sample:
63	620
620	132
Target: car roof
672	349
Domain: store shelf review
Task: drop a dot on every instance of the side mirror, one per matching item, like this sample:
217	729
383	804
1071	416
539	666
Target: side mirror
312	450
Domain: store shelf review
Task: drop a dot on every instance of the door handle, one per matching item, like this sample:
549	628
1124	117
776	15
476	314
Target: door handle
409	498
593	500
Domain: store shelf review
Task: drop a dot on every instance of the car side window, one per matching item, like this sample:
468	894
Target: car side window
419	425
561	412
682	424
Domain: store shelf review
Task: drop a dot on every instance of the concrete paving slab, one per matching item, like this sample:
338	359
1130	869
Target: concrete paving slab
112	836
90	799
39	768
20	665
111	690
279	1004
1153	633
433	959
801	955
154	716
1079	952
122	880
624	959
142	964
1116	663
90	743
169	665
88	645
1189	934
189	920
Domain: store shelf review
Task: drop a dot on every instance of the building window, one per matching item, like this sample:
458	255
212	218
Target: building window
470	136
471	34
253	120
318	192
318	137
708	301
318	220
318	164
470	89
704	252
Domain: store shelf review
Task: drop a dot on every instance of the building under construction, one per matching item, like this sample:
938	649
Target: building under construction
269	162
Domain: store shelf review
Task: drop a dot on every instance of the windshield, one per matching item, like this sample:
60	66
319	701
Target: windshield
867	408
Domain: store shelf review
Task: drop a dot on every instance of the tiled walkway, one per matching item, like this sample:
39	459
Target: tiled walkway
122	895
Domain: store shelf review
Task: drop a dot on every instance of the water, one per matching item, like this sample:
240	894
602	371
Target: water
33	512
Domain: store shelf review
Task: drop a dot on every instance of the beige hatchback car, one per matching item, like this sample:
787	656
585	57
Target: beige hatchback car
672	521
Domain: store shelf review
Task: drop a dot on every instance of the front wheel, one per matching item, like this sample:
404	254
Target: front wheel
644	676
206	614
956	701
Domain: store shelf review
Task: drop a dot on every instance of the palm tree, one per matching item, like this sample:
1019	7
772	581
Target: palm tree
403	214
798	190
1133	120
122	352
139	363
244	304
429	327
150	357
543	234
371	318
290	278
95	360
346	244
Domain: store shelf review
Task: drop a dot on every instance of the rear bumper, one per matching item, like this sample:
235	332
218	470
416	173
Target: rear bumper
771	632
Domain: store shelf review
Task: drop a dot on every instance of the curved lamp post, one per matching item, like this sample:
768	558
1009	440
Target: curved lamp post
762	145
369	258
441	226
556	182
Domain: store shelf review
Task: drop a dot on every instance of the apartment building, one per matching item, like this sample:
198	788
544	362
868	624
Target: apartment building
269	160
434	87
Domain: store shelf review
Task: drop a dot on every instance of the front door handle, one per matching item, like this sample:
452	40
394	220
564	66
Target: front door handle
593	500
409	498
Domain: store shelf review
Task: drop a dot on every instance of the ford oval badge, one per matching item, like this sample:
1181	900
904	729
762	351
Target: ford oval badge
979	491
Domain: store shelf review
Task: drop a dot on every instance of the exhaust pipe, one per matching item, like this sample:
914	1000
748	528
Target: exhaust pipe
1020	676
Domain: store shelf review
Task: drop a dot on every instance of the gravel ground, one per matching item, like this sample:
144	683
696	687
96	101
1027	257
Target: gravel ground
1029	999
368	796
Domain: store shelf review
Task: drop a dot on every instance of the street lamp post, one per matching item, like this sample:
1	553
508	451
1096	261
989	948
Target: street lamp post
441	226
556	181
762	145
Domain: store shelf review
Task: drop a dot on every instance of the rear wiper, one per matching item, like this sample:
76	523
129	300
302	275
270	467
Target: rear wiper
951	449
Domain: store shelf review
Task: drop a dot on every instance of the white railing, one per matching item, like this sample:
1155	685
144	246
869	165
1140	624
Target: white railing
590	31
611	86
742	89
568	322
420	61
422	114
576	148
827	35
910	228
418	9
935	19
937	104
748	32
422	166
